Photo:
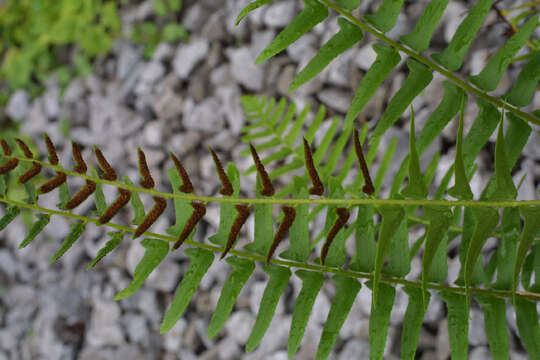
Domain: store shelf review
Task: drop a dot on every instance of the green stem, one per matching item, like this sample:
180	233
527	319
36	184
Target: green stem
432	65
287	263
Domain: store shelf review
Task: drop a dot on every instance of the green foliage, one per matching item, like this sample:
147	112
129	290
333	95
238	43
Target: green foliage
382	253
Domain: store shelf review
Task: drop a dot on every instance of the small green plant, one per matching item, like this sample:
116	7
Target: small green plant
383	254
33	33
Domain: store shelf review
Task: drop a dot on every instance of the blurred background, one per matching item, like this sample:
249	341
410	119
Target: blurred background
166	75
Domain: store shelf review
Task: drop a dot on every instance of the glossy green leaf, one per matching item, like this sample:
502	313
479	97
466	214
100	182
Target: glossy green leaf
227	211
423	31
182	207
35	229
364	258
348	35
491	74
136	203
469	225
279	277
347	288
76	231
385	17
242	270
11	213
313	13
116	239
311	285
3	185
155	252
387	59
412	322
383	167
452	57
494	310
461	190
264	225
506	252
249	8
324	145
398	265
299	247
63	195
99	197
458	323
379	319
349	4
486	220
200	261
505	190
531	216
416	188
529	329
535	287
525	85
419	77
392	216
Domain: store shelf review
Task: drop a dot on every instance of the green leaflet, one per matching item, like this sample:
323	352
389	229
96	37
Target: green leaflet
35	229
416	188
227	211
322	149
313	13
294	132
364	258
529	329
383	167
347	288
504	185
249	8
182	207
311	285
279	277
387	59
506	252
524	87
11	213
378	321
399	265
458	323
531	216
452	57
535	287
76	231
116	239
486	220
494	310
156	250
491	74
385	17
423	31
469	224
419	77
348	35
63	195
482	128
200	262
242	270
299	247
264	225
349	4
440	219
392	216
136	203
412	322
461	190
99	197
3	185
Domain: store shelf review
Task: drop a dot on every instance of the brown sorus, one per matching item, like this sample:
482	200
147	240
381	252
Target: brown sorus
199	209
368	187
318	188
151	217
53	156
147	182
226	188
243	213
108	171
123	198
52	184
30	173
25	149
5	147
81	195
289	214
8	166
343	216
80	164
268	188
187	186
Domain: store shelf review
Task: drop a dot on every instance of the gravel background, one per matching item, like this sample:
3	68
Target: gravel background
185	99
